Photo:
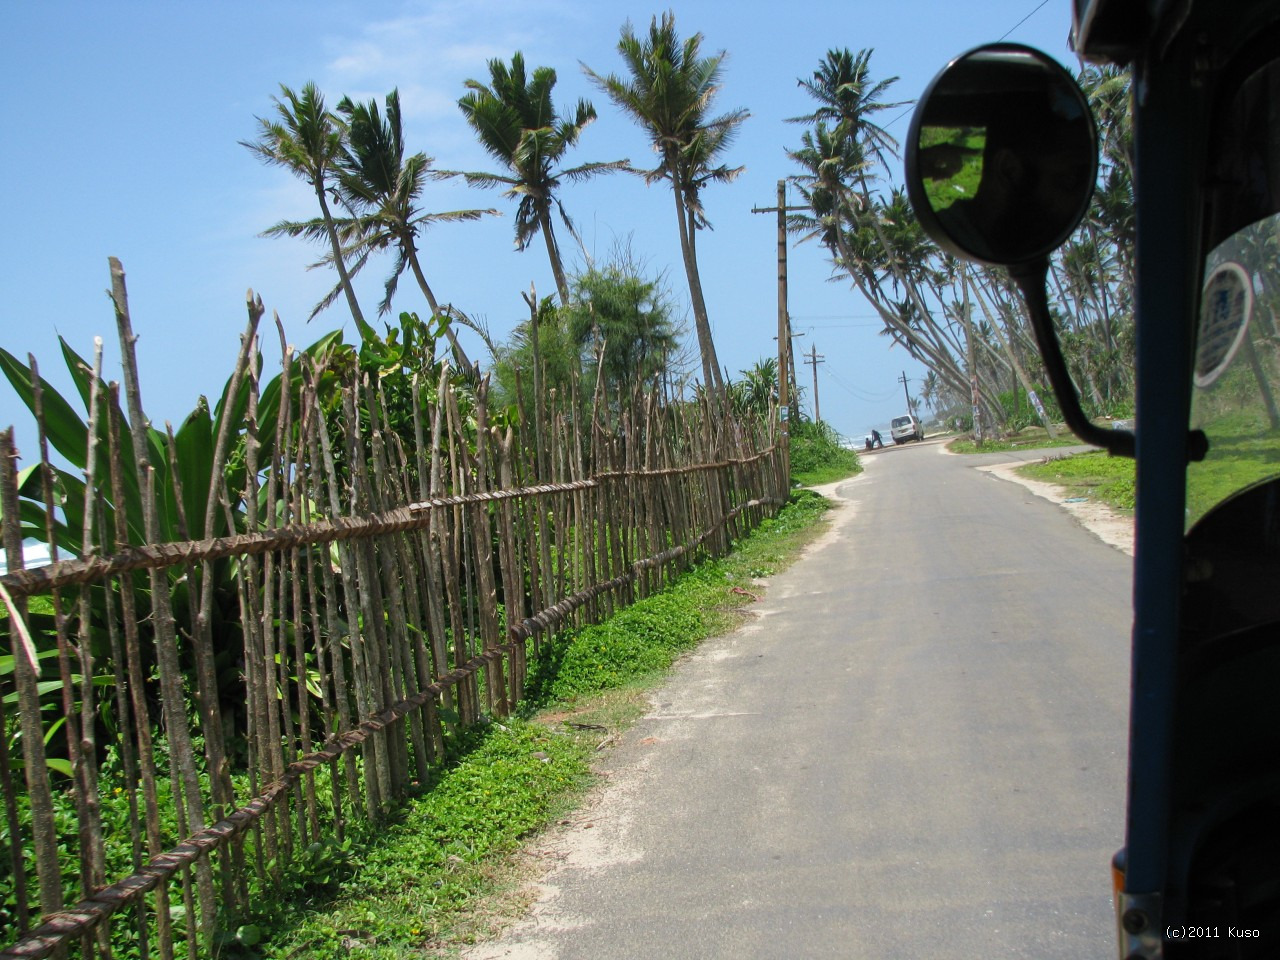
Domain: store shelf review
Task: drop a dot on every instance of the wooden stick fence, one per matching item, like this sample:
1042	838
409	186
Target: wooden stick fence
365	586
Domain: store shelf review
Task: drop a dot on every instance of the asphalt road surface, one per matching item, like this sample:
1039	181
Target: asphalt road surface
916	750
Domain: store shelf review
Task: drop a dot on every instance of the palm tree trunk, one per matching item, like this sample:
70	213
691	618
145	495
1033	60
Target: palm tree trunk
340	264
1086	361
1019	372
710	364
412	254
553	252
945	365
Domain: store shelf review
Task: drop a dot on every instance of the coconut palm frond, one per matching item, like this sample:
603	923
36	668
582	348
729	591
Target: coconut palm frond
516	122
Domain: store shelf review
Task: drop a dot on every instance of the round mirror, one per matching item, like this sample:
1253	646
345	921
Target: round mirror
1002	155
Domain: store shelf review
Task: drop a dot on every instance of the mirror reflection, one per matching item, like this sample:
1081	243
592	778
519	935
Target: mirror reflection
1002	155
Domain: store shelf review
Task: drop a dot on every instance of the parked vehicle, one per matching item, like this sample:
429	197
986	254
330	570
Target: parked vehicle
906	428
1199	875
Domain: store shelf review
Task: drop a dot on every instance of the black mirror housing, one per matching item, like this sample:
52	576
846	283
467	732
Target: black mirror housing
1002	156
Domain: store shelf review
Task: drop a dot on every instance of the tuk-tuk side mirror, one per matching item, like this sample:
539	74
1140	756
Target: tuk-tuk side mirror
1002	156
1001	161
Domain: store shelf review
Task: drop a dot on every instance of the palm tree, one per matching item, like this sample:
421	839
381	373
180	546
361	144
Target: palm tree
307	140
837	219
757	391
516	122
848	98
382	186
668	91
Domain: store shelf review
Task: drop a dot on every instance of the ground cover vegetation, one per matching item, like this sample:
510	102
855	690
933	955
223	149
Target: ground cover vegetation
1243	429
1095	475
817	455
1026	439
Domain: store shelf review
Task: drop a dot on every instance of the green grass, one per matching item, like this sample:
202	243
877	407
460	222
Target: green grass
1241	454
1094	475
447	870
829	473
646	637
966	170
1243	450
419	880
1029	438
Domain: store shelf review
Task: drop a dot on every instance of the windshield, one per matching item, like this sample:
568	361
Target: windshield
902	422
1237	366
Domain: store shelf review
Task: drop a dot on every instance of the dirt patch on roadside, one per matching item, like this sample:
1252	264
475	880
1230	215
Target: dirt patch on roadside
1106	524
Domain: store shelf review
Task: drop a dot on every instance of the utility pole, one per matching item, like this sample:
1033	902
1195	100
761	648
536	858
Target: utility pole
813	360
786	368
903	380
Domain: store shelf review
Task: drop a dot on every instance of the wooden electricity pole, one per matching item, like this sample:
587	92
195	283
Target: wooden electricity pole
785	366
813	360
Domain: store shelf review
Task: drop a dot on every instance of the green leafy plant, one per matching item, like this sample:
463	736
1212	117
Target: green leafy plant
817	456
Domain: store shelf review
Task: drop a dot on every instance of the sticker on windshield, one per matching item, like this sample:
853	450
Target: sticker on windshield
1224	317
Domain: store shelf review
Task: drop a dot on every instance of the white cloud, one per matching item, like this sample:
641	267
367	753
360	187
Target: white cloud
428	53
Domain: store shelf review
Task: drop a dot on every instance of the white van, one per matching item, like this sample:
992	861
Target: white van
906	428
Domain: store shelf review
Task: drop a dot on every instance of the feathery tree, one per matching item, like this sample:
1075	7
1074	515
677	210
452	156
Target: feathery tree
517	124
619	325
668	91
628	318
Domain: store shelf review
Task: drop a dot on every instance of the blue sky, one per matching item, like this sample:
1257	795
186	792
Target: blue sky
121	139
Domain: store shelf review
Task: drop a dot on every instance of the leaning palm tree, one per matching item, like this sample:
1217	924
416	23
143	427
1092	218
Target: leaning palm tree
668	91
382	187
307	140
516	122
848	99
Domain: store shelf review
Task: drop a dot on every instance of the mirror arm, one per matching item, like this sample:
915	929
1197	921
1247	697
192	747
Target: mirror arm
1031	279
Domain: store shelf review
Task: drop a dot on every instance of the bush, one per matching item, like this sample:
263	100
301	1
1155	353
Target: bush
816	454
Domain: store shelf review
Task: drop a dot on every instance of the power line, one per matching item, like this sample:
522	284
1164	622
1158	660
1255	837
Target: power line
1025	19
858	394
1040	5
834	316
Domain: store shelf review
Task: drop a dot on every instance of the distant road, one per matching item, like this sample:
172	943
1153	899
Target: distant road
917	750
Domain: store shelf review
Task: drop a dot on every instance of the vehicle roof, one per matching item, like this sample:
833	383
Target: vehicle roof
1117	31
1113	31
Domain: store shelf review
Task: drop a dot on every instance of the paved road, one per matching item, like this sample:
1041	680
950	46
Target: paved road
917	750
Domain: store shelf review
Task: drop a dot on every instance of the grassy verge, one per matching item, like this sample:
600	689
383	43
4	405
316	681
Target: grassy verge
1029	438
828	473
1094	475
446	870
